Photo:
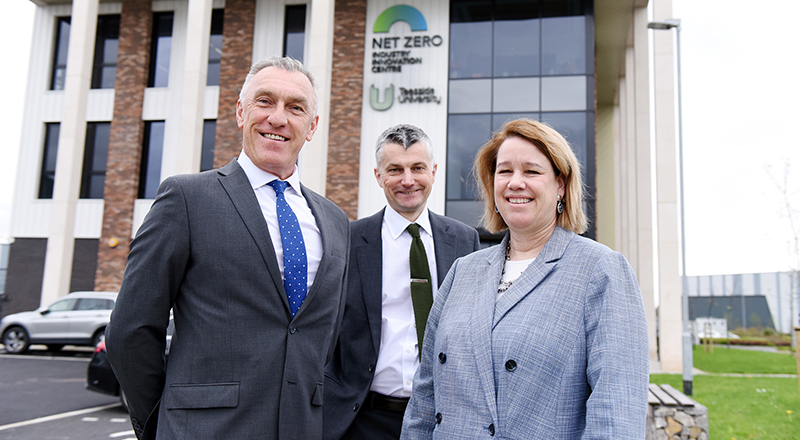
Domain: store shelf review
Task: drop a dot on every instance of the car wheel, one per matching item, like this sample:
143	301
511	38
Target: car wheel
16	340
99	337
54	347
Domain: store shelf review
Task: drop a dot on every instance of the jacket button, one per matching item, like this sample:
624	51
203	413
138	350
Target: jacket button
511	365
438	418
371	368
355	407
292	330
491	429
442	358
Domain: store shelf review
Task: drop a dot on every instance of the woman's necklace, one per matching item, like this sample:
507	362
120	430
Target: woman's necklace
504	285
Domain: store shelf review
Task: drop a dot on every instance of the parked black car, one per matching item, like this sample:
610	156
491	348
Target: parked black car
100	377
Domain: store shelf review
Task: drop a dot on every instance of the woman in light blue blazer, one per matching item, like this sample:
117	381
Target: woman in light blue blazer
543	336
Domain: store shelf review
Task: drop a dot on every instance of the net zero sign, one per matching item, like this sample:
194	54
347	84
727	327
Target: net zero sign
398	54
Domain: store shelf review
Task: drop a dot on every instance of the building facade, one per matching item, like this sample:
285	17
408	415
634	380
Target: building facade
779	290
123	94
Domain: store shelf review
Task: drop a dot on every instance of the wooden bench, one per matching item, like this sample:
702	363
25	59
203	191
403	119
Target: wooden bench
674	415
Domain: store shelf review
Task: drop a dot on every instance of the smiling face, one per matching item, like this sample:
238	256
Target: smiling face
406	176
526	188
276	116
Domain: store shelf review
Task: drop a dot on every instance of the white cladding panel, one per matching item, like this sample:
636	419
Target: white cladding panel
424	78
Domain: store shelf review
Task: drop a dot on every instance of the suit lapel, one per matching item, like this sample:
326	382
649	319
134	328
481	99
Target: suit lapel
444	246
481	322
325	232
236	184
534	274
369	256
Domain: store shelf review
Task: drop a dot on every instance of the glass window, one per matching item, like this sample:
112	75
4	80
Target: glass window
571	125
150	169
294	32
563	45
470	96
59	74
564	93
471	50
498	119
49	155
516	95
209	132
565	8
466	134
531	56
516	48
516	38
160	49
95	155
63	306
104	69
215	47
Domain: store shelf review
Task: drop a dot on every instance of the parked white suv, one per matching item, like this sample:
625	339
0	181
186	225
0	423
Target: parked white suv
79	318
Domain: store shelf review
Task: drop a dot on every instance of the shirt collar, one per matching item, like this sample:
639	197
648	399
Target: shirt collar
259	177
397	223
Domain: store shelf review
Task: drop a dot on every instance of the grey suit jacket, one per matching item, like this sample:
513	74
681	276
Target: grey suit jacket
240	366
563	354
349	375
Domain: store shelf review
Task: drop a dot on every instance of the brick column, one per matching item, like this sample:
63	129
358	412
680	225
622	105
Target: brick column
237	56
125	143
347	77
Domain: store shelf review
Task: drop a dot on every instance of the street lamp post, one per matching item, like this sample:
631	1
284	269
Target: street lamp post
687	336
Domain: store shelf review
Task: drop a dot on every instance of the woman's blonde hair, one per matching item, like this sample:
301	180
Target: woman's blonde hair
561	157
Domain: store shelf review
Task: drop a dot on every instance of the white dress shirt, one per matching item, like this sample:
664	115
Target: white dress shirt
266	199
398	358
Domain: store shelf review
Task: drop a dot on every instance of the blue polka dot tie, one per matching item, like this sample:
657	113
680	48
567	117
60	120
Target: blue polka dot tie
295	263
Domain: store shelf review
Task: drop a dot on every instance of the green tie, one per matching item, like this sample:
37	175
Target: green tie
421	289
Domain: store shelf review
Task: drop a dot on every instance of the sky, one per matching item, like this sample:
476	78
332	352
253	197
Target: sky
741	101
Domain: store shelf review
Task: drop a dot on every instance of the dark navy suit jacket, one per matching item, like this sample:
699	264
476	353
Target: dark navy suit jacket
349	375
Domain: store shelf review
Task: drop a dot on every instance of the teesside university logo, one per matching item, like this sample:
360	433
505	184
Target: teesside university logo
390	54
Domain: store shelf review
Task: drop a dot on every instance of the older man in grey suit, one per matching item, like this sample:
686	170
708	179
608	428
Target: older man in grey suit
252	264
369	380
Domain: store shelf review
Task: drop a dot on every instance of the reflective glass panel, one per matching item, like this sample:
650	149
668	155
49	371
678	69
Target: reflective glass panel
470	96
161	49
209	133
498	119
215	47
516	48
564	93
294	32
61	45
465	135
106	48
95	156
516	95
150	170
564	45
572	126
49	155
471	50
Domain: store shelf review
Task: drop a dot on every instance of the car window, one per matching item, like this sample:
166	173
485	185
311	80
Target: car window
95	304
63	305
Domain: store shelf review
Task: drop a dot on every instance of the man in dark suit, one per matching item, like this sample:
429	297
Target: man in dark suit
369	380
255	309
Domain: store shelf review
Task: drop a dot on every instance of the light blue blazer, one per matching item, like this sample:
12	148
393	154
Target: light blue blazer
563	354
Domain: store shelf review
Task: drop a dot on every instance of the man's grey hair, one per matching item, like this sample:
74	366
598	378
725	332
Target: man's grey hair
285	63
404	135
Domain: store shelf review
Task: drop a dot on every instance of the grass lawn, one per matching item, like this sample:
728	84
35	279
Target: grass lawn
749	407
733	360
